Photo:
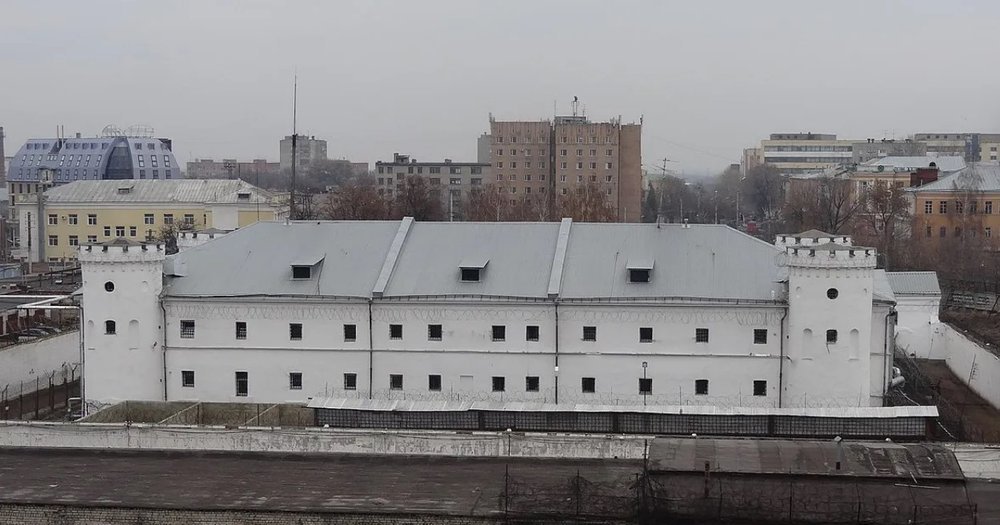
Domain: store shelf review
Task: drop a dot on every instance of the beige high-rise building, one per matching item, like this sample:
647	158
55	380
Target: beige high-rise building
309	148
539	162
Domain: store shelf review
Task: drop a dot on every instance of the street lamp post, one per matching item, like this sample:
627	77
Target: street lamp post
645	392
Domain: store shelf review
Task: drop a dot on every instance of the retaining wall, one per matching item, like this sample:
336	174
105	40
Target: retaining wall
23	363
317	440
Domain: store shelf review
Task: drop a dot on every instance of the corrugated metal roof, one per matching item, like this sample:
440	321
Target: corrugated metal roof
159	191
914	283
256	260
801	457
946	164
976	177
881	288
520	259
698	260
337	403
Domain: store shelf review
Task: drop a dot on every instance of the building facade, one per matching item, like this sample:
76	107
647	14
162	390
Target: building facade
613	314
540	162
43	163
3	159
450	182
89	212
964	204
309	148
874	149
795	153
230	169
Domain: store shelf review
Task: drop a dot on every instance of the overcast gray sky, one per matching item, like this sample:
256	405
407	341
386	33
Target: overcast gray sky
375	77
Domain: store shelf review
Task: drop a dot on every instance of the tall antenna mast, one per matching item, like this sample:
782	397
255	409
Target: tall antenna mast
295	148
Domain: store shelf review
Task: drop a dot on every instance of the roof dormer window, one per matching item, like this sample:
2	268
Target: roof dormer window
305	268
124	190
639	270
472	269
243	196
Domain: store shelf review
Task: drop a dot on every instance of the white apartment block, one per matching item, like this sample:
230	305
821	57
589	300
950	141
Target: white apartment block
564	312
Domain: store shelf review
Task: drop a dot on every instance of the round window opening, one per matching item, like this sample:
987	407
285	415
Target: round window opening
109	286
832	293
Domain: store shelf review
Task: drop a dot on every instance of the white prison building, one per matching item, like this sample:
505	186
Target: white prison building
566	312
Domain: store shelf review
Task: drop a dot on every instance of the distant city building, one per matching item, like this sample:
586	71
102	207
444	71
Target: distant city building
541	161
483	145
752	157
116	155
449	181
964	204
3	159
230	168
91	211
975	147
793	153
874	149
310	149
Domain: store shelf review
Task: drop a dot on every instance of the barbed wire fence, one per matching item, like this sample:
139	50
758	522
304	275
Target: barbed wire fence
44	396
952	423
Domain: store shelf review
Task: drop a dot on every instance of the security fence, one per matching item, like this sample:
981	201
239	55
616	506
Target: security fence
772	425
50	396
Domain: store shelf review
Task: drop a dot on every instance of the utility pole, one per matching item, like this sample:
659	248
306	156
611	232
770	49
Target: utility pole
716	206
295	148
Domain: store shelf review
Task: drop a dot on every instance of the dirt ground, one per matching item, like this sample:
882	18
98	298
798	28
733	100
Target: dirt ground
983	421
981	326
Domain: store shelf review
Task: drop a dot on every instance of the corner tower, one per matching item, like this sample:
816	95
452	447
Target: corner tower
123	329
829	325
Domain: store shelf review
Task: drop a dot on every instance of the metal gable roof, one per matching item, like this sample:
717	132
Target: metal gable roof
699	260
160	191
914	283
257	260
976	177
519	254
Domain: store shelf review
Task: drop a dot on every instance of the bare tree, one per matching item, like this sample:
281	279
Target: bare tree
491	203
588	203
168	236
824	203
357	199
416	199
883	220
763	187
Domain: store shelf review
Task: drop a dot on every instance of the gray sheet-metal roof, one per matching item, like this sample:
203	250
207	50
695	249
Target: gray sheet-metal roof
778	456
698	260
976	177
158	191
881	288
257	260
520	259
914	283
945	164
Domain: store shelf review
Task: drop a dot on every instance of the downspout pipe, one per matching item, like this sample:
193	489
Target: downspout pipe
781	360
556	370
371	351
163	331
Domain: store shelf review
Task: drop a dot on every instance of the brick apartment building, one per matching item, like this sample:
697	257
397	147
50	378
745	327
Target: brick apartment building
541	161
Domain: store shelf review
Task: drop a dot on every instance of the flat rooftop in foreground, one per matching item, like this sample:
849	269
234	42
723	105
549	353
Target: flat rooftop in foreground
290	483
